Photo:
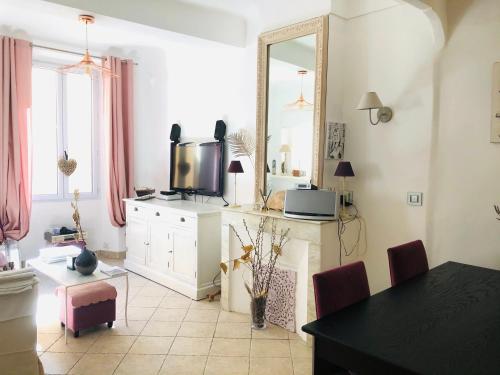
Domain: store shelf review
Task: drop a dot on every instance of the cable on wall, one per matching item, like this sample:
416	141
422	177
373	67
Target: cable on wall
342	224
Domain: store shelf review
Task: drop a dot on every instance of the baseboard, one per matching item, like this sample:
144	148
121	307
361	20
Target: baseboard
110	254
189	290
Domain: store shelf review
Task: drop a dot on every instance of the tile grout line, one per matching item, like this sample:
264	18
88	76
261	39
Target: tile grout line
135	339
190	307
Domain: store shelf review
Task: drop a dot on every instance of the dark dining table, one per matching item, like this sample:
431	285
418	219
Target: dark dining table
446	321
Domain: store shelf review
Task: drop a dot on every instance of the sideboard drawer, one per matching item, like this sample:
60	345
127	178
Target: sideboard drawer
137	211
182	221
178	220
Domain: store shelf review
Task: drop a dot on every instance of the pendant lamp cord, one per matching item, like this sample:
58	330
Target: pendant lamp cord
86	35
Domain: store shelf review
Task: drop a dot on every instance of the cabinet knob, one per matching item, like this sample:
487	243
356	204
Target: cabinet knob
157	214
182	220
136	209
146	243
170	252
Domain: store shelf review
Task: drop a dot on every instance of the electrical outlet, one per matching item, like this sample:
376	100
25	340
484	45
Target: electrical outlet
414	198
348	196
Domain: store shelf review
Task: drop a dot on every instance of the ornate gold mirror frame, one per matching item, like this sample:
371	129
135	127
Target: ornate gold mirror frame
318	26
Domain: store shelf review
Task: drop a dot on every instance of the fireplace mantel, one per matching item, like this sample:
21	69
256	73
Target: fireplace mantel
312	247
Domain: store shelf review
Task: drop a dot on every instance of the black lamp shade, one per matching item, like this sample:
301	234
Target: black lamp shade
267	168
344	169
235	167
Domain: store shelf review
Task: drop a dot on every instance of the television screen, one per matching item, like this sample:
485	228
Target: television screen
197	168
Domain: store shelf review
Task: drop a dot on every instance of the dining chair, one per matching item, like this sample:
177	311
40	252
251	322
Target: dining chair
340	287
407	261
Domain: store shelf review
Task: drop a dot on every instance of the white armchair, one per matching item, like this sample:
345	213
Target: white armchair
18	298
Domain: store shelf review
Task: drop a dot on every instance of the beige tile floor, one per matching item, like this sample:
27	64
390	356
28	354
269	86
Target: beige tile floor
168	334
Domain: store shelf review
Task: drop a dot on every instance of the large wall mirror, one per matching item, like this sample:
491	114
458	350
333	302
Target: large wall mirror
291	106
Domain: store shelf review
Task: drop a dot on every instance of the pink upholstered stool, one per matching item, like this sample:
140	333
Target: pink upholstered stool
88	305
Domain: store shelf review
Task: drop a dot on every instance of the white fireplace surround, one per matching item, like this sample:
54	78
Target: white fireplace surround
312	247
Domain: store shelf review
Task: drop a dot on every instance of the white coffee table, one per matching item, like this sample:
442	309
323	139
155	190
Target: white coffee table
68	278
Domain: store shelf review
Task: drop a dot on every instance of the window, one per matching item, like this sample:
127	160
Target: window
63	119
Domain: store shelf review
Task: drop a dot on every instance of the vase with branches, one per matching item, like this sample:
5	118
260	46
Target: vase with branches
86	262
261	261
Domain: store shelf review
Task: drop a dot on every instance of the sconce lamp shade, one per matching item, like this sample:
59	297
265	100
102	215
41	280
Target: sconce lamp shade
370	100
344	169
267	168
235	167
285	148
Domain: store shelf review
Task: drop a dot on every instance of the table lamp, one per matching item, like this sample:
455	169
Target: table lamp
285	150
344	169
235	167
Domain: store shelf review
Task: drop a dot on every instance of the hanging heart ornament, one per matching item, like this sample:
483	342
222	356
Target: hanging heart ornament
66	166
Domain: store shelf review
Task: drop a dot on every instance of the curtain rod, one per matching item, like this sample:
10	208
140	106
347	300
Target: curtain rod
67	51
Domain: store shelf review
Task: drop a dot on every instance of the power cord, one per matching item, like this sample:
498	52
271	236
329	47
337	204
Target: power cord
342	227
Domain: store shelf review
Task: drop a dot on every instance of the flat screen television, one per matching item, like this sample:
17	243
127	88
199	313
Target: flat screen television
197	168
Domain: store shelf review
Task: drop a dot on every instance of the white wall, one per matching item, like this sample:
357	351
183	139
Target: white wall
390	52
464	169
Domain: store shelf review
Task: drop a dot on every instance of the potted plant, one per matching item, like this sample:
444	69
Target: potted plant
261	261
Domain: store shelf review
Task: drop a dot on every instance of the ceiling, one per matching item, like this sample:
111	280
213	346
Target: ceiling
243	8
254	8
355	8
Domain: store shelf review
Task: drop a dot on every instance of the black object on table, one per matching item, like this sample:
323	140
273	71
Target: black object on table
446	321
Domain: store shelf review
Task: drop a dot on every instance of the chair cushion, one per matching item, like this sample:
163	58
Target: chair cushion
86	294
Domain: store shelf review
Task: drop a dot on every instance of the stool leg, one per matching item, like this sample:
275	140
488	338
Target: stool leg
76	334
66	315
110	324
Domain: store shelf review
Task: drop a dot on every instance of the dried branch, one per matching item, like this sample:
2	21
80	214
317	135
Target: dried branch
76	215
262	263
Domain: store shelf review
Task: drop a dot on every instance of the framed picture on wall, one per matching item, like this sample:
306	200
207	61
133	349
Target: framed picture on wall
335	138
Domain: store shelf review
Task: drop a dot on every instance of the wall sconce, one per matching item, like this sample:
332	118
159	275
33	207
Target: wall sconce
370	101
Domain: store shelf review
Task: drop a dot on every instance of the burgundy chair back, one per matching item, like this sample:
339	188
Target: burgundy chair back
407	261
340	287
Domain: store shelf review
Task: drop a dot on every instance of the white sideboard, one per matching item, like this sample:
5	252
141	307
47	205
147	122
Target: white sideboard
176	244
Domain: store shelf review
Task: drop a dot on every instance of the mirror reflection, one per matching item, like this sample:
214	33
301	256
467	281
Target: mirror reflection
290	112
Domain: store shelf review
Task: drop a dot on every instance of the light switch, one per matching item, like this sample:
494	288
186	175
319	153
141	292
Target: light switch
414	199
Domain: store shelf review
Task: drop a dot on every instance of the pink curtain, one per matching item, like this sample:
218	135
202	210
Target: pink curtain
119	116
15	121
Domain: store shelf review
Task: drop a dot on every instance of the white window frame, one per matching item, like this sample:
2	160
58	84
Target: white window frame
63	193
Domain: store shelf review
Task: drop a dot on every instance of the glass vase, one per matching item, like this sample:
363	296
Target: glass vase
258	309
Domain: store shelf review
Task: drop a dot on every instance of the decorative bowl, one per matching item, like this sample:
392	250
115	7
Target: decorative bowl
142	191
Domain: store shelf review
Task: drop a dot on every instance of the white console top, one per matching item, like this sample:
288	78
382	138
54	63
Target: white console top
193	207
248	209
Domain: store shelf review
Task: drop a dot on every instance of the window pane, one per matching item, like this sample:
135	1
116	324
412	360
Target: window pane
79	130
44	131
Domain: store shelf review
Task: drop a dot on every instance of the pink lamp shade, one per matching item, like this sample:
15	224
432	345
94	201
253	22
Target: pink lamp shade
344	169
235	167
